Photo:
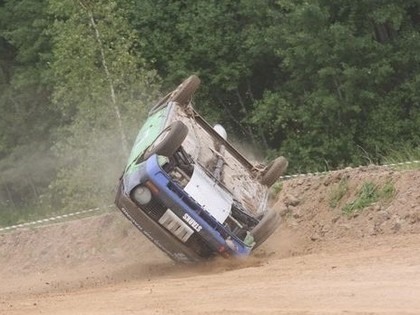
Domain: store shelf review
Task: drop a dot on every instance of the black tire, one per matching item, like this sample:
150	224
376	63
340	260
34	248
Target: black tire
274	170
265	227
184	92
168	141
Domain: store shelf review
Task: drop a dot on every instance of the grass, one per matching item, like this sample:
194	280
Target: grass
11	215
405	155
25	213
338	192
387	192
368	194
277	187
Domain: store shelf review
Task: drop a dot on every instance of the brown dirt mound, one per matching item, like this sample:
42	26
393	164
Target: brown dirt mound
80	253
305	204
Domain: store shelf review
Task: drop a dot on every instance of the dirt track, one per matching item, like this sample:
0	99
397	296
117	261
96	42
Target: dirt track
314	264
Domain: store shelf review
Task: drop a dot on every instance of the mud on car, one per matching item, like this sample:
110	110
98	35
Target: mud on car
189	190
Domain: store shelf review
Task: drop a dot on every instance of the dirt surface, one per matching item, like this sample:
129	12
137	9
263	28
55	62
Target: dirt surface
319	261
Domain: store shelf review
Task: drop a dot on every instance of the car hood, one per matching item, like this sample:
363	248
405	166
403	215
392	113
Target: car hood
209	194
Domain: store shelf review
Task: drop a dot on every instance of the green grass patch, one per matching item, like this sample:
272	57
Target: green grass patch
10	215
368	194
406	154
387	192
277	187
338	192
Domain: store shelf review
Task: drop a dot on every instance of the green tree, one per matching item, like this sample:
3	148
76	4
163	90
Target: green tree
224	42
26	118
104	89
352	68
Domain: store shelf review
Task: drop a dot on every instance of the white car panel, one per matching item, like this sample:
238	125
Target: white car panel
209	195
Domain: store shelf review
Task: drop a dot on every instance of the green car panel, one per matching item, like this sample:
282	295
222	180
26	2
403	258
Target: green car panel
146	136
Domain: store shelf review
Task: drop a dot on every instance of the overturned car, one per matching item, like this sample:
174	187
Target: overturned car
189	190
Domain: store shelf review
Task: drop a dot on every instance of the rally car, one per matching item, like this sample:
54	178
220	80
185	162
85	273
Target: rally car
188	190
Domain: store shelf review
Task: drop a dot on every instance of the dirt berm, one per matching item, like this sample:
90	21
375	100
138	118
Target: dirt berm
319	261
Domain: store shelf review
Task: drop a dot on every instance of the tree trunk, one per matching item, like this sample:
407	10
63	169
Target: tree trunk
117	112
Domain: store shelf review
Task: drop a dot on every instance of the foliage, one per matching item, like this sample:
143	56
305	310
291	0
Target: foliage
338	192
23	92
221	42
27	118
347	84
368	194
277	188
409	156
107	83
58	145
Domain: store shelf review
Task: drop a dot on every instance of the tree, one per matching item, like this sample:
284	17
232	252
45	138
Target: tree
348	82
27	119
223	42
104	88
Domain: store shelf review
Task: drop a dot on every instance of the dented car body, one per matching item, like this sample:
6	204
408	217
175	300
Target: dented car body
189	190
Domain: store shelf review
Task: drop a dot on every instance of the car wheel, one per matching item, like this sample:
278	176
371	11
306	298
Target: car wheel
183	94
274	170
168	141
265	227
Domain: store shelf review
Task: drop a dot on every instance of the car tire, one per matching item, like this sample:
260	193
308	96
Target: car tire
265	227
184	92
274	170
168	141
